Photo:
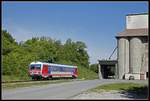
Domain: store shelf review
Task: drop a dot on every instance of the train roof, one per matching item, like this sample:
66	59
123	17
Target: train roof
52	64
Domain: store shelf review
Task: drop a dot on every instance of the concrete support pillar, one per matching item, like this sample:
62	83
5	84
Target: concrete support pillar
135	55
116	71
123	57
99	71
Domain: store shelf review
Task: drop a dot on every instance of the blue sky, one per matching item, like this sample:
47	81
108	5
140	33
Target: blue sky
94	23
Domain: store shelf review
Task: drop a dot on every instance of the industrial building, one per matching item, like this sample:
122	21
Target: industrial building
132	49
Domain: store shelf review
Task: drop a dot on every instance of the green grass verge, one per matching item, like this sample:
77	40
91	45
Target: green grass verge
133	90
119	87
87	74
14	78
34	83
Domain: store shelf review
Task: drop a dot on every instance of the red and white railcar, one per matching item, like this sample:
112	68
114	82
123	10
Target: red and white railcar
41	70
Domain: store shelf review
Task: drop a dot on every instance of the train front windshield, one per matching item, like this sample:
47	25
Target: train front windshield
35	67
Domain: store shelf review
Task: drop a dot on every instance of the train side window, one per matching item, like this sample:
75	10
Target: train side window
49	66
38	68
32	67
62	69
54	68
67	69
58	68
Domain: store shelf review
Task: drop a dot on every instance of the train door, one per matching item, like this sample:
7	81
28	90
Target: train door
76	72
45	70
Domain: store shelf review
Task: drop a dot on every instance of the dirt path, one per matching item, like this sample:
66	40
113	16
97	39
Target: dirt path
108	95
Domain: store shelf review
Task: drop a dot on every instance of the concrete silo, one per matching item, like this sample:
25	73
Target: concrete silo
135	55
133	47
123	56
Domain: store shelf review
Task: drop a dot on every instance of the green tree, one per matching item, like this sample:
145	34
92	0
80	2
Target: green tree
94	67
8	43
17	57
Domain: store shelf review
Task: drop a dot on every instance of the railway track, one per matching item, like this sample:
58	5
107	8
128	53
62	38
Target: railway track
26	81
16	81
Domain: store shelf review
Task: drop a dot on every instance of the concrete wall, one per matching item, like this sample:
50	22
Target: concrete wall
144	67
99	72
123	57
137	21
136	76
146	57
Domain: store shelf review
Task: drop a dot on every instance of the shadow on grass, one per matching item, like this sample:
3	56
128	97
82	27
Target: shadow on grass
135	92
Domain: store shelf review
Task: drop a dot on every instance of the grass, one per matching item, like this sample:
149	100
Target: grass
87	74
14	78
27	84
117	86
130	90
